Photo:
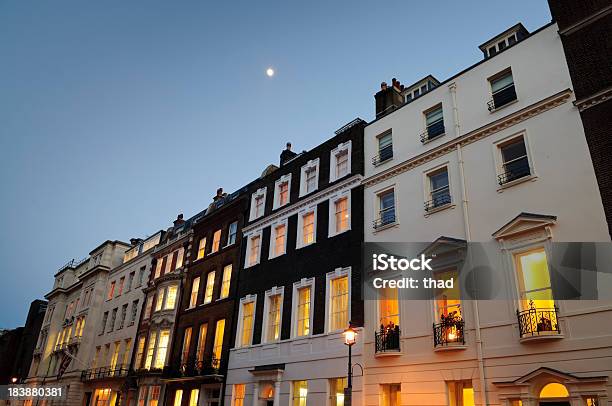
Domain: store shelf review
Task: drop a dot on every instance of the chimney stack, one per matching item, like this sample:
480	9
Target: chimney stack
135	241
179	221
219	195
389	98
287	155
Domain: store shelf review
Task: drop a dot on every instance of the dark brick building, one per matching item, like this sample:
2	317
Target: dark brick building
585	28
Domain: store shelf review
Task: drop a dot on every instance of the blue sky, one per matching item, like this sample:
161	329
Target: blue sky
116	116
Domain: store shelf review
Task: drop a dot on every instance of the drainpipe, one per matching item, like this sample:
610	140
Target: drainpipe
468	237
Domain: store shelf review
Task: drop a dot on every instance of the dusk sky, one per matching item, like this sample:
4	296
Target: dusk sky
116	116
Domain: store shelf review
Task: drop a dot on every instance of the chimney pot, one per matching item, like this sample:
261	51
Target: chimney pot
288	146
383	85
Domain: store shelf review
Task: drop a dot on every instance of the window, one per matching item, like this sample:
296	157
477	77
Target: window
253	246
179	257
154	395
123	315
385	148
274	317
195	287
158	267
388	307
340	216
148	307
336	391
218	344
150	350
434	124
514	160
201	342
94	362
448	301
141	275
300	393
232	232
216	241
101	396
303	311
142	395
130	281
186	345
104	319
592	401
121	283
258	204
279	240
438	193
534	279
502	89
171	297
111	291
340	161
461	393
248	310
126	353
386	209
210	284
339	303
162	348
282	188
160	299
239	393
306	225
225	282
115	357
391	395
193	397
201	248
309	177
178	397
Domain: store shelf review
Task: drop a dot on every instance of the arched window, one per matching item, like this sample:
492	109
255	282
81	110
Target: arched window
554	390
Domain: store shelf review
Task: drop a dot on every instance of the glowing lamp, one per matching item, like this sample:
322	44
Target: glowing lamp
350	336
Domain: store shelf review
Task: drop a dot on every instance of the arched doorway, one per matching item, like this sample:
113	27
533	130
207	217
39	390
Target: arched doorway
554	394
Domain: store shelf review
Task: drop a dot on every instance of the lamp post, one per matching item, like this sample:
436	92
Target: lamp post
350	336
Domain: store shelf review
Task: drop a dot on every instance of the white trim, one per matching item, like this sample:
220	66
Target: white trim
310	165
498	159
275	290
247	256
283	179
272	254
245	300
331	232
333	160
427	187
299	243
302	283
329	277
377	209
260	192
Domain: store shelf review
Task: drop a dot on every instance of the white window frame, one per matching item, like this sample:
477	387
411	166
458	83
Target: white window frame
303	283
300	234
247	262
427	187
310	165
377	207
333	160
331	232
229	233
499	160
259	193
274	291
245	300
272	250
283	179
329	277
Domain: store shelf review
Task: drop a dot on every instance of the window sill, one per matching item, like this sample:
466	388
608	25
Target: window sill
331	235
390	353
542	337
276	256
439	208
297	247
450	347
382	162
251	265
303	194
429	140
529	178
386	226
503	107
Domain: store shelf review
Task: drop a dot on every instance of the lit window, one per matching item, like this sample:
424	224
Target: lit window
126	353
162	348
254	245
115	356
391	395
591	401
534	280
279	240
247	323
210	284
514	160
150	350
232	232
111	291
216	241
101	396
195	287
461	393
282	189
339	300
154	395
300	393
225	282
148	307
179	257
186	345
308	228
158	266
239	393
341	215
388	307
336	391
218	344
201	342
94	362
201	248
193	397
142	395
303	312
171	297
160	299
554	390
386	209
274	318
178	397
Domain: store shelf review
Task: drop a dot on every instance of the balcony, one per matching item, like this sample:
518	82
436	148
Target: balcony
387	339
104	373
535	322
449	332
386	217
434	130
516	169
384	154
74	341
439	198
503	96
192	368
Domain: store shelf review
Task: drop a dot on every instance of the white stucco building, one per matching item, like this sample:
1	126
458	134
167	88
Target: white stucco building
495	154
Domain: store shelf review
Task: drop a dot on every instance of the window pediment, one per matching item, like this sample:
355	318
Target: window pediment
526	223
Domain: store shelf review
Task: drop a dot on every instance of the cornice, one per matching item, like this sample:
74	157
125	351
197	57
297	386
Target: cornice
473	136
316	198
594	100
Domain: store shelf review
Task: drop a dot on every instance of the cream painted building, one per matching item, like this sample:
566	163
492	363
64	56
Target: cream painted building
71	321
495	154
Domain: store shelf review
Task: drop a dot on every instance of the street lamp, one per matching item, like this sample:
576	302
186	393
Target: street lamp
350	337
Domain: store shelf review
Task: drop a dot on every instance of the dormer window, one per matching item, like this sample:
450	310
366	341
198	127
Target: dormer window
258	204
340	161
309	180
282	188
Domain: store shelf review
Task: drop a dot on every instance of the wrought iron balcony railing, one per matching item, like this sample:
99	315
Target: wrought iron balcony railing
385	217
387	339
433	130
502	97
384	154
536	322
514	170
104	373
449	331
440	198
191	367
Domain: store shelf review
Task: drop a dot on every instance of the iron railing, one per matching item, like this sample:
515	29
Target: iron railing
104	373
514	170
191	367
387	339
386	216
439	198
535	322
384	154
502	97
449	331
433	130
